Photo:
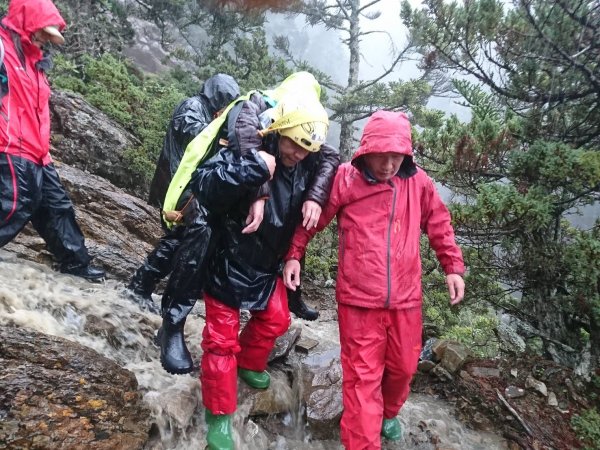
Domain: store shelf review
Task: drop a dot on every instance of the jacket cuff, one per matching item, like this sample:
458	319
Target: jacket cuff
457	269
293	254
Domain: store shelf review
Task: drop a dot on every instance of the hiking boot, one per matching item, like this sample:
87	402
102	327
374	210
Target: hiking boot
299	308
174	355
257	380
220	433
90	273
391	429
145	302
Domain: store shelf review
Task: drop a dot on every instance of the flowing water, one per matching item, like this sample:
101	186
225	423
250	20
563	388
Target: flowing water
33	296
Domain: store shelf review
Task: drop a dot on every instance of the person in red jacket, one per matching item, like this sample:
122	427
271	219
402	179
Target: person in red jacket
382	201
30	189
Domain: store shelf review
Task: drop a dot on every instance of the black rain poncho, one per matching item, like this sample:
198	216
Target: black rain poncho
189	118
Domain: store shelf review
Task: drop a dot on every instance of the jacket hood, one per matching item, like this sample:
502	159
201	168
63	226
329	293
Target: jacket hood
219	91
387	131
28	16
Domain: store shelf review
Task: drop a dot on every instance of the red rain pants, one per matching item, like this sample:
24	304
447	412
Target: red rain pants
380	350
224	351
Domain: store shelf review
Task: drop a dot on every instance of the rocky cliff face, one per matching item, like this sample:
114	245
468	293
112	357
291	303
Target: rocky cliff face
59	394
120	228
85	138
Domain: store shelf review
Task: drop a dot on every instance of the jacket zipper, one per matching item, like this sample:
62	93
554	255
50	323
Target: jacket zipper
342	248
14	187
389	248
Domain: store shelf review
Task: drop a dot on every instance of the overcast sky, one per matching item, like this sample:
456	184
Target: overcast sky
323	49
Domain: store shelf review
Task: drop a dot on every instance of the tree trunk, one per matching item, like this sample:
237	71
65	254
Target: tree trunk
346	128
346	139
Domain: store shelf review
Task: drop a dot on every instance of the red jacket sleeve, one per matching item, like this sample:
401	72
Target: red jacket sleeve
302	236
435	221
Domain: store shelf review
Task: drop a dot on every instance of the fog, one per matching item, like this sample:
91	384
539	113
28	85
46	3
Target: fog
324	50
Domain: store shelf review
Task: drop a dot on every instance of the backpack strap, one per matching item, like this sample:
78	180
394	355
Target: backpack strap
195	154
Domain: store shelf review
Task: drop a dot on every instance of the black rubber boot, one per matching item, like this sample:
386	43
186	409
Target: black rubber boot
174	355
183	289
144	301
90	273
299	308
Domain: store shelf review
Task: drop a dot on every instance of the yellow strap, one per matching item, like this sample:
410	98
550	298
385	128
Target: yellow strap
194	155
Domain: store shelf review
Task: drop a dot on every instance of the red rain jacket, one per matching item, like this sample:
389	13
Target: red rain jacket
25	113
379	224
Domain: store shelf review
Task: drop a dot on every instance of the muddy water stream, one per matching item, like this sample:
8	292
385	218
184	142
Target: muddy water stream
33	296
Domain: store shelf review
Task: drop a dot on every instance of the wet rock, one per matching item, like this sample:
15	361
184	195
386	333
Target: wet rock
274	400
442	373
532	383
120	229
514	392
485	372
319	377
86	138
573	392
285	343
304	345
57	394
425	366
438	348
455	355
510	338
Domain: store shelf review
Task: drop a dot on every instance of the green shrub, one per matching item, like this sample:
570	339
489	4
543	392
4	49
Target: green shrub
587	428
141	104
321	255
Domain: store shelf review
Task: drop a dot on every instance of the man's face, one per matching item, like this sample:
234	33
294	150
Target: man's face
40	38
291	153
383	166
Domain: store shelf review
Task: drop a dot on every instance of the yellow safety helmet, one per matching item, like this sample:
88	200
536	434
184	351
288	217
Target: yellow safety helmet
303	121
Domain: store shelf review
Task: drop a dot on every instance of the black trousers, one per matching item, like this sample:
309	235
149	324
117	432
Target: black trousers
30	192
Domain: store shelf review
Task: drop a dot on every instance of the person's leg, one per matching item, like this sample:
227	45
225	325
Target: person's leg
401	358
258	336
55	222
220	348
363	347
218	375
20	194
156	266
297	305
183	288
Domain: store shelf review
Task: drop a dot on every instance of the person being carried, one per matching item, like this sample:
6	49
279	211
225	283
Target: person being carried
243	272
30	188
237	130
382	201
190	117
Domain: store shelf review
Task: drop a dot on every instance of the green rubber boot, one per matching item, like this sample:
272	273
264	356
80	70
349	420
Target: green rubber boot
391	429
219	436
257	380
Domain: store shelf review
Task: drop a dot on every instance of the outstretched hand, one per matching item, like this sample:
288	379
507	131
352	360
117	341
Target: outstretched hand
255	216
291	274
311	211
456	288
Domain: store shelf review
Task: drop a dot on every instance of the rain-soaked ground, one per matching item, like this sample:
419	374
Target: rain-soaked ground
34	296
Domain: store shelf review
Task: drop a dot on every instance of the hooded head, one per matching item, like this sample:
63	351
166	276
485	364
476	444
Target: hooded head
27	17
387	132
219	91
